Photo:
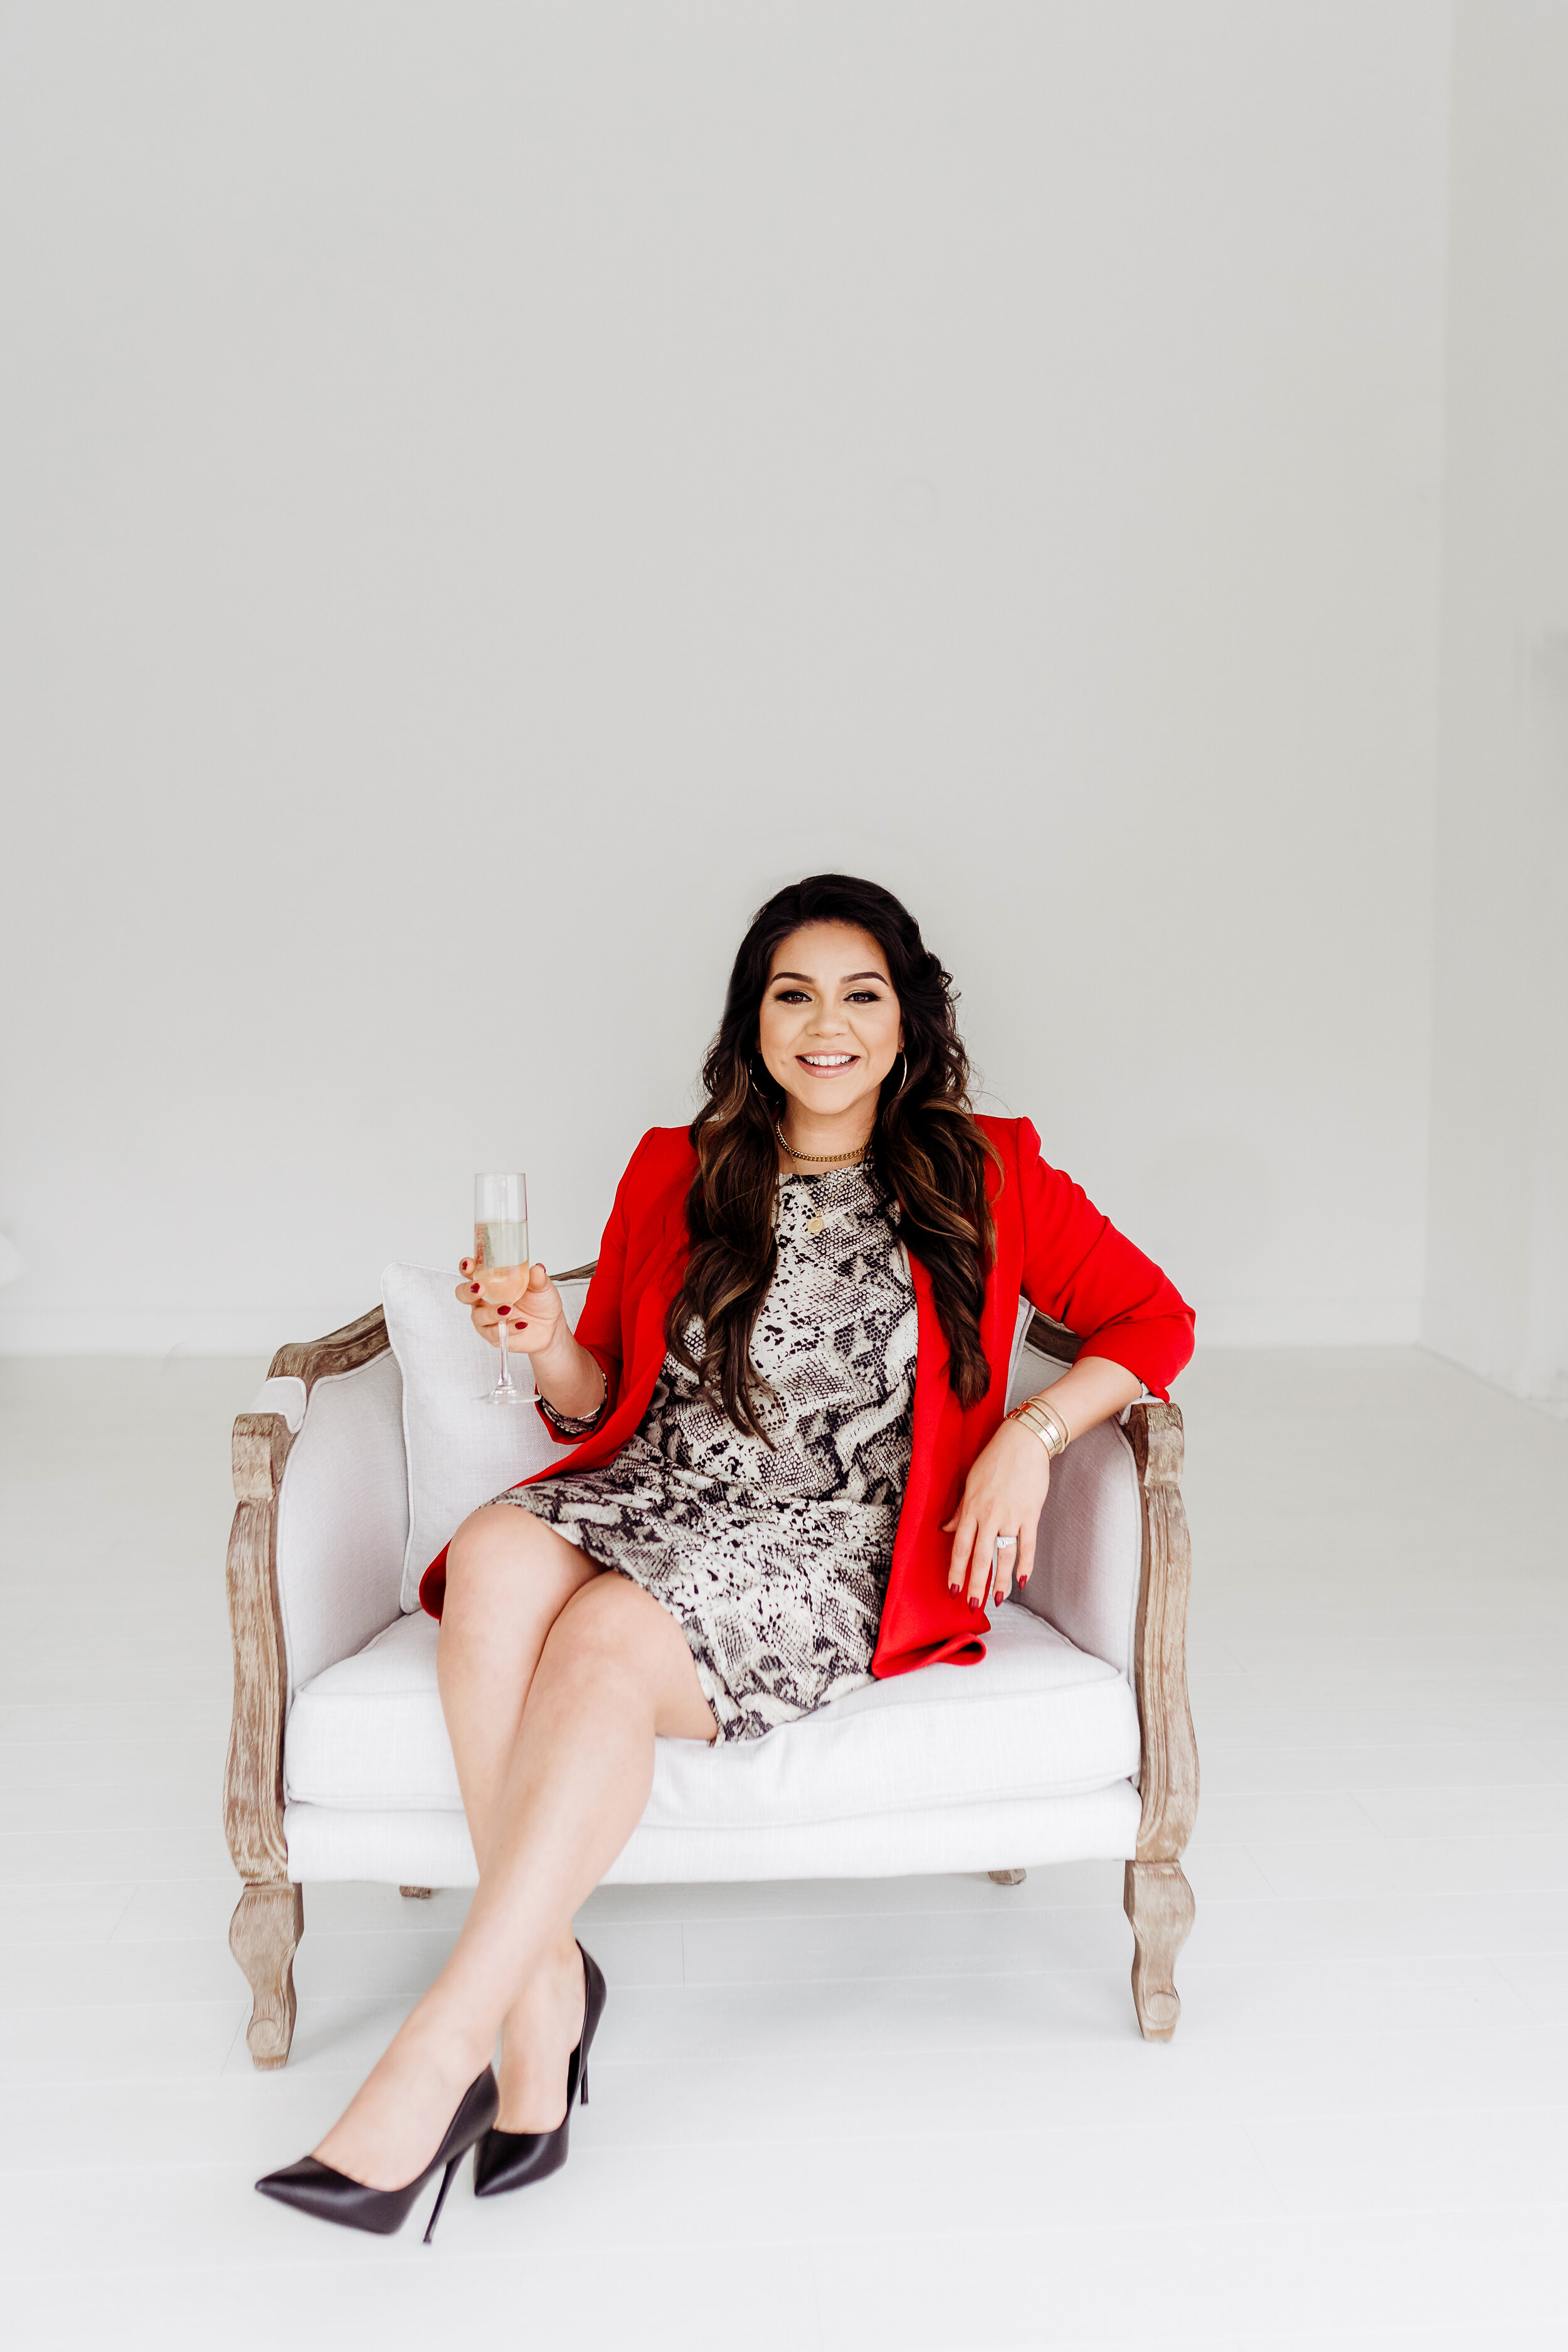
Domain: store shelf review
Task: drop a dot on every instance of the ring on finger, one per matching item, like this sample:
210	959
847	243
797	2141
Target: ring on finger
1003	1560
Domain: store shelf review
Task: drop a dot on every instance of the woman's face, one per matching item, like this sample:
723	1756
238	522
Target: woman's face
829	1029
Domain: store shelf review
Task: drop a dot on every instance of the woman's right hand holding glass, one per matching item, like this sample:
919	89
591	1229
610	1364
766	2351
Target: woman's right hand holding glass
535	1318
530	1302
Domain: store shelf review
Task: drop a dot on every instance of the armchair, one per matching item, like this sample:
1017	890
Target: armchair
1071	1740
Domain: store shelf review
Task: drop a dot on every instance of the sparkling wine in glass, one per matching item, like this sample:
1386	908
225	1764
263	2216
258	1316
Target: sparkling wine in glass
501	1263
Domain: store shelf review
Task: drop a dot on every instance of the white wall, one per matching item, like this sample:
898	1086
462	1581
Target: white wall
1498	1261
494	490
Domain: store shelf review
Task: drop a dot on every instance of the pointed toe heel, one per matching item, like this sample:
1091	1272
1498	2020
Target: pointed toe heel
312	2186
505	2160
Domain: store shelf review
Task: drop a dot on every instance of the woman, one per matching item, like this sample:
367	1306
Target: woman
790	1471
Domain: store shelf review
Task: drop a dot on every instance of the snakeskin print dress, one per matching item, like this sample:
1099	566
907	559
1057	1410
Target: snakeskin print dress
773	1560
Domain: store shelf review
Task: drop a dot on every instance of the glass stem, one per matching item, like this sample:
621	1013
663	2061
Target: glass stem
505	1380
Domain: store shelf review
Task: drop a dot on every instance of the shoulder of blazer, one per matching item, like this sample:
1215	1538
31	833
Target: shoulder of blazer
663	1163
1012	1137
665	1149
1006	1134
1018	1147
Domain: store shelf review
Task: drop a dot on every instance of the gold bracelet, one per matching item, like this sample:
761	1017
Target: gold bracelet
1059	1417
1047	1432
1047	1423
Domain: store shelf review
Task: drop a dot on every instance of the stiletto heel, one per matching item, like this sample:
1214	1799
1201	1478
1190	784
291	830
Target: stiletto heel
441	2194
316	2188
505	2160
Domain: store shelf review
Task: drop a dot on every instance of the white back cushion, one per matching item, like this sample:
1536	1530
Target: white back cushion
460	1450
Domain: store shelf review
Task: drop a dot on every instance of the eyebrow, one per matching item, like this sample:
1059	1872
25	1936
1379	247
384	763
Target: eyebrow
843	984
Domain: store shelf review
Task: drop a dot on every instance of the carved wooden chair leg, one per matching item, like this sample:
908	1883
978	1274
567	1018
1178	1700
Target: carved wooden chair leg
416	1894
1006	1877
1159	1902
264	1936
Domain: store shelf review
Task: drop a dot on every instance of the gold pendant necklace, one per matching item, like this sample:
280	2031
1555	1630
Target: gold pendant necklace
816	1222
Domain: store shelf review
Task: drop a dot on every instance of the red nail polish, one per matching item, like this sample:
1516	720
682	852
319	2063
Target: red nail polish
475	1288
972	1602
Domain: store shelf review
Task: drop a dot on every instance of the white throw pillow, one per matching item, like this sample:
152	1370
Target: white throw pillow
460	1450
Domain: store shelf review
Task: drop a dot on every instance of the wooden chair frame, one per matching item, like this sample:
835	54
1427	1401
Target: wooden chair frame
269	1917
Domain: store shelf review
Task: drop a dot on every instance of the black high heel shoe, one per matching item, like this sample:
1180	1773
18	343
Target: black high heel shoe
512	2159
316	2188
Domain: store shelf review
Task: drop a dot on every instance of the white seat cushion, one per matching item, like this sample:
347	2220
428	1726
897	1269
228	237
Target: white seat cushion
1035	1718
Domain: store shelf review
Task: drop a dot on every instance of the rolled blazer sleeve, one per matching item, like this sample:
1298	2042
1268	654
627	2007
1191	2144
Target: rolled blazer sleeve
1082	1272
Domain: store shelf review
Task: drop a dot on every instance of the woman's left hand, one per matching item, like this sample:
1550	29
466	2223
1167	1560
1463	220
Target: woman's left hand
1004	1495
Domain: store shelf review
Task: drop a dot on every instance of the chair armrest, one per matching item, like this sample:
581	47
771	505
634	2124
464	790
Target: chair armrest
315	1554
1113	1570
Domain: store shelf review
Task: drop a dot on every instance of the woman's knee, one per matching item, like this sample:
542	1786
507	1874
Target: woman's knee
605	1619
613	1636
497	1551
482	1539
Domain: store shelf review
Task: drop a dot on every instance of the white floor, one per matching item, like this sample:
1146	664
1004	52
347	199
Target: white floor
914	2113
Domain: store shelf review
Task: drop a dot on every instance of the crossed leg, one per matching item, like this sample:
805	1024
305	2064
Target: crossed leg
556	1678
509	1578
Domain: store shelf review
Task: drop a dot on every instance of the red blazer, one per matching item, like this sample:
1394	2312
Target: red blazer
1052	1246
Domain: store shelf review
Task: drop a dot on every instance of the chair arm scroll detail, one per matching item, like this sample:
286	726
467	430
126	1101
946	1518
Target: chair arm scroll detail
267	1920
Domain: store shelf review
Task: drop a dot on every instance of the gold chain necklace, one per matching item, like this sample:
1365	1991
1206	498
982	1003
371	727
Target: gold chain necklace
819	1158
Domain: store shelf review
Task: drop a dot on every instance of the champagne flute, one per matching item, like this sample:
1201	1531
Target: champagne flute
501	1263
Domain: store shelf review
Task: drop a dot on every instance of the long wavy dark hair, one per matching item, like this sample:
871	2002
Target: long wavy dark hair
926	1152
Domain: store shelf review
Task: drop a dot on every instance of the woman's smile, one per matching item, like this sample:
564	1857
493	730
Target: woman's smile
827	1063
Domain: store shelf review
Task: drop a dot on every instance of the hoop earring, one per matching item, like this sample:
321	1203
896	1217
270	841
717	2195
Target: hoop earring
903	1082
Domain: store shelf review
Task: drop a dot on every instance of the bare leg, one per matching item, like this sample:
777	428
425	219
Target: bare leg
509	1576
614	1672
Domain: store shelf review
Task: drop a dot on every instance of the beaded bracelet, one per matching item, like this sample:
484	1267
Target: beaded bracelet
575	1424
